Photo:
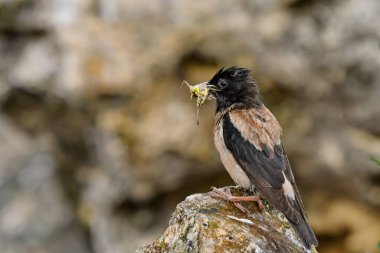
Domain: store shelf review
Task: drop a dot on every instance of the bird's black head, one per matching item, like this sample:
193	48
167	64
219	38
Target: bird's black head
235	86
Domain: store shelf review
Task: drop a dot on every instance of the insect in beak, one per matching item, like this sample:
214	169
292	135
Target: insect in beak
202	92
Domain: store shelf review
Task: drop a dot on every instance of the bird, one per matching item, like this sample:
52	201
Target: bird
247	137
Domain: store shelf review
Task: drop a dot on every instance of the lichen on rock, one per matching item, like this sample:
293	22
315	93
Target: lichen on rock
203	224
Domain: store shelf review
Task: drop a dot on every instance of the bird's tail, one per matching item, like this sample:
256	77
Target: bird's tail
305	232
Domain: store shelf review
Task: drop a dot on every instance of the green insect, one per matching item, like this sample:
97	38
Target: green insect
201	92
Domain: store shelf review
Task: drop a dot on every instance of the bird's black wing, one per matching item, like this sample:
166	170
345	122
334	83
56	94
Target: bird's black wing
266	168
269	170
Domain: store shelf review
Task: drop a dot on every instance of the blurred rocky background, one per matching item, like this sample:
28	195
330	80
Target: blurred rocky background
98	141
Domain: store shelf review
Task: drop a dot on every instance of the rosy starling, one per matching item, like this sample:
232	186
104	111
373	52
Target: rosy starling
247	137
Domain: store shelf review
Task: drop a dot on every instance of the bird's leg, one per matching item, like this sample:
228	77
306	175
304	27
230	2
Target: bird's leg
227	196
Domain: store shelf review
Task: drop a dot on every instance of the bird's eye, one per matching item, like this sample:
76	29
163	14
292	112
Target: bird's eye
222	83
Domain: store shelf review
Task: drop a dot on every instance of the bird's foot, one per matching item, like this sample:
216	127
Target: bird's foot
227	196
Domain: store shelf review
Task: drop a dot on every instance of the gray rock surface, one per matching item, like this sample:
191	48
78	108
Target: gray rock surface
204	224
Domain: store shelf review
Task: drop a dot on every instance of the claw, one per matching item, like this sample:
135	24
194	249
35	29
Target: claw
227	196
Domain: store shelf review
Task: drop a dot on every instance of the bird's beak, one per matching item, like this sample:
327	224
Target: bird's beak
212	89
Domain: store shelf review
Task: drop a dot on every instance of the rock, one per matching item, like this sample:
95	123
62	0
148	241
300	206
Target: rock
204	224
